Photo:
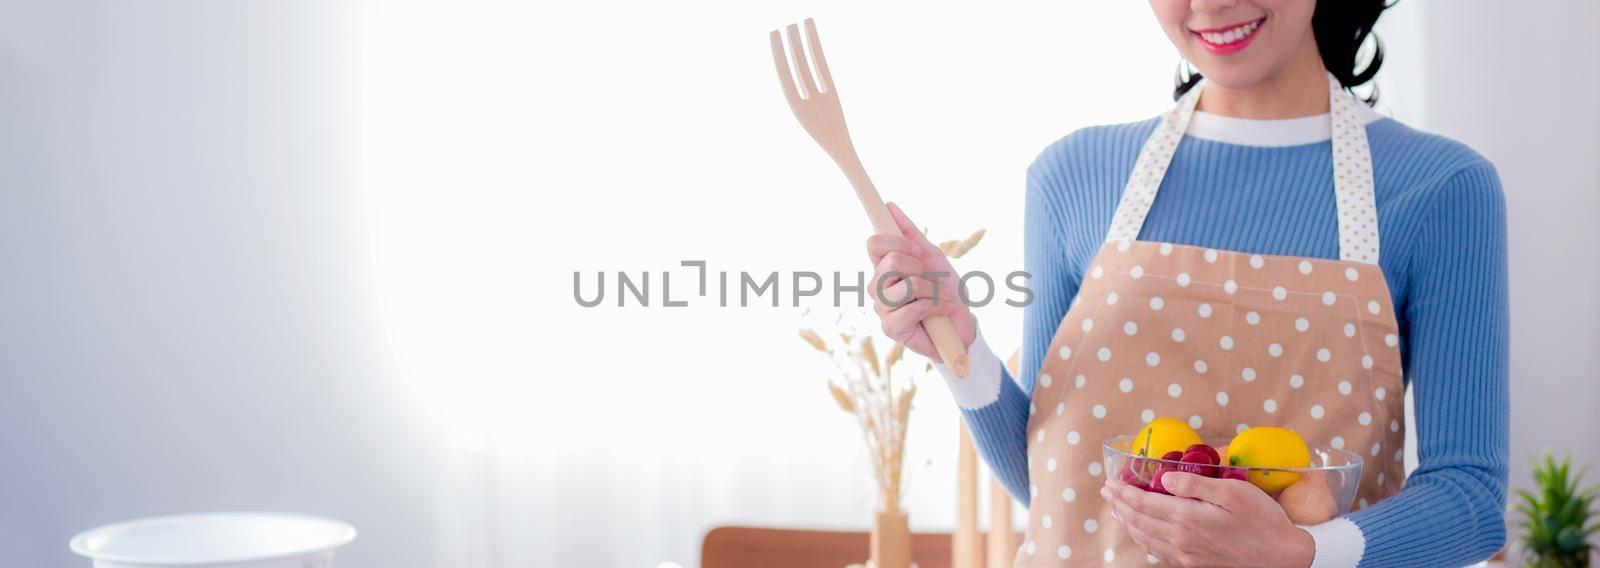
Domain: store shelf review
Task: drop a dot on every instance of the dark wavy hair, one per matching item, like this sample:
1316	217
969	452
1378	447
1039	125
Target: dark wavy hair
1341	28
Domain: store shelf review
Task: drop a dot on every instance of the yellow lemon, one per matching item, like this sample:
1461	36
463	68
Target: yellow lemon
1163	435
1269	446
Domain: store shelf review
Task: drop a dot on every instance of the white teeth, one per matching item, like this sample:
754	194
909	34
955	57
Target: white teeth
1233	35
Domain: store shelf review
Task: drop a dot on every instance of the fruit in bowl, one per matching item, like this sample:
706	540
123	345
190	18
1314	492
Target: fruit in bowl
1270	447
1165	435
1198	458
1313	483
1308	501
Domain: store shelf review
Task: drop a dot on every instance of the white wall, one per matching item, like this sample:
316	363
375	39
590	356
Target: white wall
185	322
1518	81
508	144
190	319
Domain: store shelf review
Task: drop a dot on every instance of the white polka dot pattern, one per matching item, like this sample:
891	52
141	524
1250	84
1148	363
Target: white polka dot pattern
1271	353
1150	168
1352	176
1352	179
1219	339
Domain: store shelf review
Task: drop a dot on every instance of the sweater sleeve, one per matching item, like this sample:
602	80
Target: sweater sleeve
1000	426
1451	512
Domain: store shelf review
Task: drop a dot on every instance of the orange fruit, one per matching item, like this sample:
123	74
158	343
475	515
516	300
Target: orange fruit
1308	501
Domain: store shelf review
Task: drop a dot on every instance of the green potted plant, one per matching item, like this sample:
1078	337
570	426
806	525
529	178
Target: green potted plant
1556	520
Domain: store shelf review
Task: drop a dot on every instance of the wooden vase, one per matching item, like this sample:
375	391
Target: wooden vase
891	540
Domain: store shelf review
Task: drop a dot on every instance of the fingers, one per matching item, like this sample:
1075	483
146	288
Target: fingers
910	230
880	245
1122	498
907	228
1157	547
905	322
913	288
894	267
1156	535
1164	507
1224	493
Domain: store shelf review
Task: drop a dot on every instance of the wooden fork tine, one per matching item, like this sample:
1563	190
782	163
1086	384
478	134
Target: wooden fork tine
814	45
780	60
808	86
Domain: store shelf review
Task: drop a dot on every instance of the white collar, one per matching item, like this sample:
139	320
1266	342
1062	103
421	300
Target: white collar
1351	160
1273	133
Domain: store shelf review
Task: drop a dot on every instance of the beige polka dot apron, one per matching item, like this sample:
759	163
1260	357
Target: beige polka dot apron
1222	339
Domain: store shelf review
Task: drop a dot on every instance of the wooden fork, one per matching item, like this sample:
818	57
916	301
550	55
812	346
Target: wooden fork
815	103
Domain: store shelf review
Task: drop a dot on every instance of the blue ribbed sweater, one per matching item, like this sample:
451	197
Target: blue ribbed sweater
1441	216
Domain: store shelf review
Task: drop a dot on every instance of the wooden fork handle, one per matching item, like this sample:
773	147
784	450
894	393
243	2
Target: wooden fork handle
939	328
948	343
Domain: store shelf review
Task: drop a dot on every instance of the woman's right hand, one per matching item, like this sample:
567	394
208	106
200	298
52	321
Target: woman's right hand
901	261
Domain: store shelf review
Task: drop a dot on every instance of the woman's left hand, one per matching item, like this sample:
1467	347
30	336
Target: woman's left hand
1209	522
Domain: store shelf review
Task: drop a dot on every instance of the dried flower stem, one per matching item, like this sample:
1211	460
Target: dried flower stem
814	339
866	391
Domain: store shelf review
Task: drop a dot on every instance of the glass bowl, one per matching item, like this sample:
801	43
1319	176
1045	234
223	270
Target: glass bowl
1305	492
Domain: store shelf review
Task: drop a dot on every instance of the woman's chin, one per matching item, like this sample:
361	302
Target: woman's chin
1232	76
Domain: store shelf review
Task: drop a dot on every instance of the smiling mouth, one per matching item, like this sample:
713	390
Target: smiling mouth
1229	39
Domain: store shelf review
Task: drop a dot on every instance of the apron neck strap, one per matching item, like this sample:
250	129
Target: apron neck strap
1352	174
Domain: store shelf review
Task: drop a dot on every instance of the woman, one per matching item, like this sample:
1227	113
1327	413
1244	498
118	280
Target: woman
1304	257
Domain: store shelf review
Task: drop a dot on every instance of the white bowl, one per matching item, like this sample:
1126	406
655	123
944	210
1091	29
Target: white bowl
216	540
